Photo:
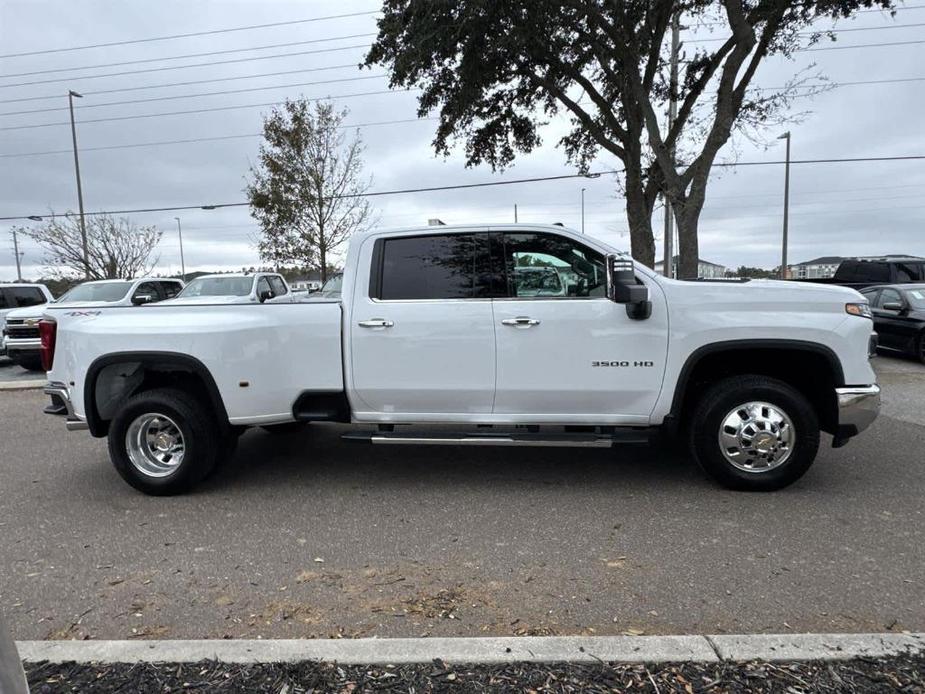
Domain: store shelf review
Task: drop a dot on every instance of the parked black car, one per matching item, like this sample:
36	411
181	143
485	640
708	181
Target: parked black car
899	317
859	274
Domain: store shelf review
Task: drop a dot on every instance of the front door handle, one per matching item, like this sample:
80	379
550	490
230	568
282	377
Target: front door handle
520	322
376	323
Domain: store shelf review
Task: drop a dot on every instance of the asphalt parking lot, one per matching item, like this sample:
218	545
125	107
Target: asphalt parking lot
11	373
308	536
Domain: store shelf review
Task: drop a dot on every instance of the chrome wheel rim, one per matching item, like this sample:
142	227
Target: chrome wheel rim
155	444
756	437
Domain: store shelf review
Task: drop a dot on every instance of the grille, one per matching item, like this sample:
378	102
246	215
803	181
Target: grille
20	332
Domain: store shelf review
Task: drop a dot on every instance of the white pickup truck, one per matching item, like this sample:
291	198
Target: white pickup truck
430	330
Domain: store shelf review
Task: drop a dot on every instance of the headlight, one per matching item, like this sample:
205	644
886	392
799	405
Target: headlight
862	310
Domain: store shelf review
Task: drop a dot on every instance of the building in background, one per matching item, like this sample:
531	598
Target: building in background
816	268
828	264
705	269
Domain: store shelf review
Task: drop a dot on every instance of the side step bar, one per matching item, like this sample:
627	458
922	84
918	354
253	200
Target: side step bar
482	439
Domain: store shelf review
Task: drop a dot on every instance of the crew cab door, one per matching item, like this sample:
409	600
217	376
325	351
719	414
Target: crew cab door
422	339
567	353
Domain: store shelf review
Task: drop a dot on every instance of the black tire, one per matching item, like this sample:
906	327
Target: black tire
201	437
920	348
721	399
286	428
30	362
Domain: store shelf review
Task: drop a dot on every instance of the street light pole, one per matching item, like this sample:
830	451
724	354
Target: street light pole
182	261
80	196
783	255
582	210
16	253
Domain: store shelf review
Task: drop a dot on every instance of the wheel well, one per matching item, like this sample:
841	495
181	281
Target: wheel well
113	379
809	371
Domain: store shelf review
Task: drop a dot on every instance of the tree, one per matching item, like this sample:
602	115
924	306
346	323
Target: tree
116	248
495	70
306	192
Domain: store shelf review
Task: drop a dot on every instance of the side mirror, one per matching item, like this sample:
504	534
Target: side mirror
893	306
265	294
140	299
622	288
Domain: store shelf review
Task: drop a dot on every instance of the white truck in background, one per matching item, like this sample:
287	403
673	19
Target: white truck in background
430	329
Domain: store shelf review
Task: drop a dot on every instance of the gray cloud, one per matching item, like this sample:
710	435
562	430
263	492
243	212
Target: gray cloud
864	208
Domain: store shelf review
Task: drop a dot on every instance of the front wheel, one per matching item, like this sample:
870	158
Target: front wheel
164	441
754	433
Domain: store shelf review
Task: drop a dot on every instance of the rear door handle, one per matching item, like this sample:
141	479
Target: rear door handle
376	323
520	322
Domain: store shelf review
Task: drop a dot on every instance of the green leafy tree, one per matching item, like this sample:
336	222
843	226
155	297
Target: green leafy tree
306	190
495	70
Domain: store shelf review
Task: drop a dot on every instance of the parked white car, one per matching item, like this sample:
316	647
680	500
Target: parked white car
21	326
16	295
430	329
251	288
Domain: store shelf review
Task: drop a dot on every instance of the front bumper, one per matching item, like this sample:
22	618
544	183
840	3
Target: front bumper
23	344
858	407
73	423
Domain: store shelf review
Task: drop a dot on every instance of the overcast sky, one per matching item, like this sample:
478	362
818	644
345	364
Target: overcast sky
836	209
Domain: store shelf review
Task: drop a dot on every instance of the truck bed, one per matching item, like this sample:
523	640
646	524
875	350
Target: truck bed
261	356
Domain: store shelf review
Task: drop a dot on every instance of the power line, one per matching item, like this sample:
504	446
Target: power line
430	189
189	82
212	32
824	31
183	67
190	96
355	79
859	45
189	55
200	110
201	139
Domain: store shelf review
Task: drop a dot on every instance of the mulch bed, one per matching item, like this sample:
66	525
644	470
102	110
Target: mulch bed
902	673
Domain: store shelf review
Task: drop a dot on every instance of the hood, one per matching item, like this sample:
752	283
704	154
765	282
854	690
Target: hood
27	312
203	300
782	289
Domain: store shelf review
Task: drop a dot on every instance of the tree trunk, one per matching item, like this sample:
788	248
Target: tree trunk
323	258
688	244
639	217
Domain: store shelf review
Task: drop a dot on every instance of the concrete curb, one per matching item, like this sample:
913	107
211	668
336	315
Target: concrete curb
23	385
484	650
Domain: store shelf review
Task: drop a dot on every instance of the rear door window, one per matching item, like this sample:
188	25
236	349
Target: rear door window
441	266
874	272
170	289
908	272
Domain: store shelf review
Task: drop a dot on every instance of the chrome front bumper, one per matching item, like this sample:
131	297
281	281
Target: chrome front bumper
73	423
23	344
858	407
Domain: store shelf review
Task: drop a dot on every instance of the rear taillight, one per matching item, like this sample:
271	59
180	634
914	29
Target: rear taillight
48	330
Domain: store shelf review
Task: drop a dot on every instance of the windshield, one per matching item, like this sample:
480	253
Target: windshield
916	298
97	291
218	286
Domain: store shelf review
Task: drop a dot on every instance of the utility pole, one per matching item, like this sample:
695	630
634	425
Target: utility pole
182	261
582	210
783	254
16	253
515	213
668	266
80	196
